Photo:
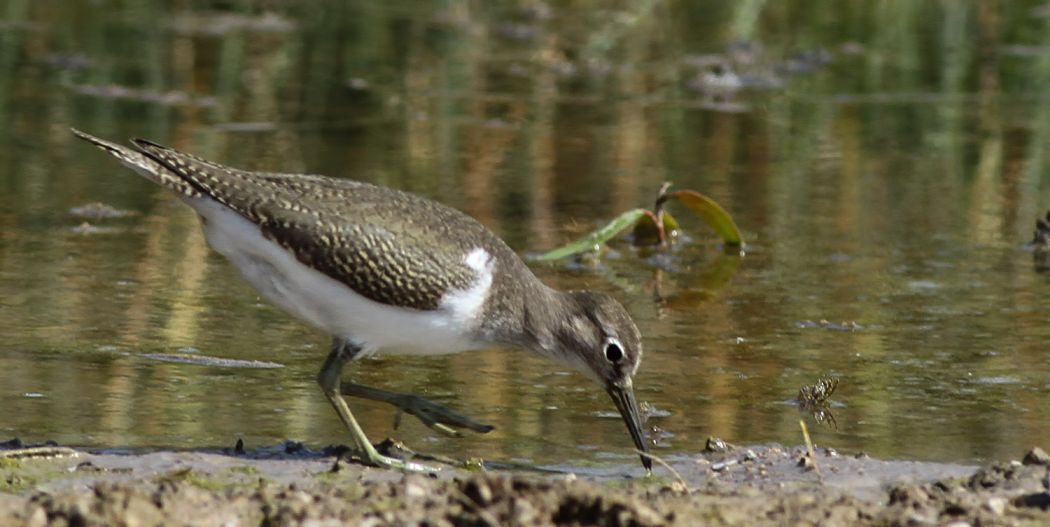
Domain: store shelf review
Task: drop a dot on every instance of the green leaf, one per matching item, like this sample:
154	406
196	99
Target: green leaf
595	238
670	224
710	212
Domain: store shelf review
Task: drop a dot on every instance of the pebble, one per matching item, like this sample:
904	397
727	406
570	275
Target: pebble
414	490
1036	456
806	462
997	505
722	465
715	444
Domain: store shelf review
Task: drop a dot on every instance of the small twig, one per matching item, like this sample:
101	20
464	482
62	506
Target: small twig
661	196
39	451
666	465
658	213
809	447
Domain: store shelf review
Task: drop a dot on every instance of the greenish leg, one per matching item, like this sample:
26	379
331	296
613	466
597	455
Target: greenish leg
328	378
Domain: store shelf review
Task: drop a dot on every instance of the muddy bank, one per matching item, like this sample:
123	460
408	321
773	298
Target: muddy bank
289	484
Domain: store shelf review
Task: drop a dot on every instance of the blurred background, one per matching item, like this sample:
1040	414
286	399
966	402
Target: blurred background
885	160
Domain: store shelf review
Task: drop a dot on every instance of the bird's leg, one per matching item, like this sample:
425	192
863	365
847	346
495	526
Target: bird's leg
342	352
435	416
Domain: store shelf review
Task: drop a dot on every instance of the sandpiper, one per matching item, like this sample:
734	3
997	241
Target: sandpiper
385	271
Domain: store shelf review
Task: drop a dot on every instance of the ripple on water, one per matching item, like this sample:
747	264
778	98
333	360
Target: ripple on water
923	285
997	380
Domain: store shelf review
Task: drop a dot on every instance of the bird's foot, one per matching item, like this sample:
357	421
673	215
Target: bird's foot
371	456
435	416
396	449
394	463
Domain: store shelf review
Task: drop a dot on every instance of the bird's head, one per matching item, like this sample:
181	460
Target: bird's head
599	338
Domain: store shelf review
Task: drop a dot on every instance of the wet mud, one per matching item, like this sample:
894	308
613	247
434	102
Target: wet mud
725	485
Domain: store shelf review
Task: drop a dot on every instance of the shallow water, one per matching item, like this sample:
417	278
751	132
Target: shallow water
886	198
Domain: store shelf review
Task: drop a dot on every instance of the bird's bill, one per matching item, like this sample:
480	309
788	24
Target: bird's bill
623	396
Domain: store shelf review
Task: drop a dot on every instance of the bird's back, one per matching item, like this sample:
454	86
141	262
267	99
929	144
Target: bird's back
393	247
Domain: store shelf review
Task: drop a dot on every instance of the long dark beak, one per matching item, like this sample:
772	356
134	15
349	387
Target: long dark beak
623	396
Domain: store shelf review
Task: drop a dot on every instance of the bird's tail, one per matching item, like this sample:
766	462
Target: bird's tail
146	166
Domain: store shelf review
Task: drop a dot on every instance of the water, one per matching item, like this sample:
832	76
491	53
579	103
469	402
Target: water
886	198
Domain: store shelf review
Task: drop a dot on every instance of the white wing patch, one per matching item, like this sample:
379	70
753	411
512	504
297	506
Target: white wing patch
465	305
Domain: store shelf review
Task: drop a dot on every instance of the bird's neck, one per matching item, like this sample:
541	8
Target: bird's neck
517	308
547	314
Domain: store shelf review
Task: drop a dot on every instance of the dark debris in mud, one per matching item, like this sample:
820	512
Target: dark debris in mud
289	484
999	494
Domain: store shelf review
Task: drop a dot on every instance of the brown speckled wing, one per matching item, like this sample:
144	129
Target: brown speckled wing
389	246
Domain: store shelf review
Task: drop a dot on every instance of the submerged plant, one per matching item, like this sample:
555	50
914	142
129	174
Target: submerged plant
656	227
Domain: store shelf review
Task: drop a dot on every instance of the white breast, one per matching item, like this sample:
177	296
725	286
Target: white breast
327	304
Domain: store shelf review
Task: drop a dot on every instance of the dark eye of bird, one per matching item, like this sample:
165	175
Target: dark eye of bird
613	351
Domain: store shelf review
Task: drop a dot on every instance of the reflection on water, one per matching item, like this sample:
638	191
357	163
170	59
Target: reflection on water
887	183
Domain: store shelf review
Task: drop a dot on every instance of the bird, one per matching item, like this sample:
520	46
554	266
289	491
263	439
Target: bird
388	272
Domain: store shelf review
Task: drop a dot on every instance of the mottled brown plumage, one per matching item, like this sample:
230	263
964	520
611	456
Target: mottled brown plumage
368	237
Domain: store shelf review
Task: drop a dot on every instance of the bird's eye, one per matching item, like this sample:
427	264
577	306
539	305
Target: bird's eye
613	351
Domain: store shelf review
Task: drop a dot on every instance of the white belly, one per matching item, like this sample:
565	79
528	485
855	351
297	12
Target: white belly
329	305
